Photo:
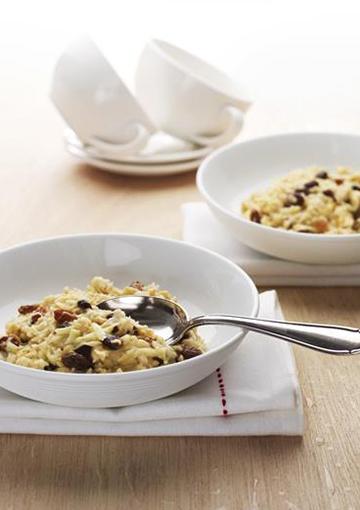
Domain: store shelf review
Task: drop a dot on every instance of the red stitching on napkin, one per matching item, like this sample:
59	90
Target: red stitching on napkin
220	379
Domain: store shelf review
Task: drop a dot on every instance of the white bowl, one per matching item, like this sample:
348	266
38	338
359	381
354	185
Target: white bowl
229	175
203	282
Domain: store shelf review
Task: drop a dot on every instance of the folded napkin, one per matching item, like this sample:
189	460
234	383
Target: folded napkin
200	227
256	392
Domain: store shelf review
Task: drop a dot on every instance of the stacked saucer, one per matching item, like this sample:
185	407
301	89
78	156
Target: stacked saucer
182	109
162	155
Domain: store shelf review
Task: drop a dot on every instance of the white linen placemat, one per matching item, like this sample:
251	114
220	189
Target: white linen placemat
256	392
200	227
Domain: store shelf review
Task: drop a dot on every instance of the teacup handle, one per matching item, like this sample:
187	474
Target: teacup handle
234	125
122	149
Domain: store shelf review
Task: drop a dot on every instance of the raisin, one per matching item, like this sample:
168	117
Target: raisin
305	231
112	342
115	330
255	216
356	214
62	316
24	309
137	285
3	341
76	361
355	187
296	199
83	304
110	316
50	367
322	175
85	350
14	340
302	190
299	199
329	193
311	184
190	352
35	318
339	181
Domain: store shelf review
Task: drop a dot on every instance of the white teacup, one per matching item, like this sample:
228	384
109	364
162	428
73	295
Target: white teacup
188	97
95	102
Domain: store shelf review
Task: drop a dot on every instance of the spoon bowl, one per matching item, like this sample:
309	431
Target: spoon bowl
170	321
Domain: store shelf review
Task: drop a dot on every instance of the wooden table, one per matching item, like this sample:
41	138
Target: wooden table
43	192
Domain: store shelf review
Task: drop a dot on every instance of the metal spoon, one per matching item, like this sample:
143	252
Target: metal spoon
170	321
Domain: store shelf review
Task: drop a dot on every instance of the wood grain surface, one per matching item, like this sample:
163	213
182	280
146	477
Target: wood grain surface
44	192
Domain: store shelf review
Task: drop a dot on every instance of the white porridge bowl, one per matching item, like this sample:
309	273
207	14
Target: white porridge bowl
227	177
202	281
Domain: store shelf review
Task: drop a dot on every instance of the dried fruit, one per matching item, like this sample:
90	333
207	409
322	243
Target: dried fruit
329	193
322	175
355	187
311	184
76	361
302	190
137	285
50	367
356	214
35	318
24	309
83	304
320	225
190	352
112	342
85	350
296	199
62	316
255	216
339	181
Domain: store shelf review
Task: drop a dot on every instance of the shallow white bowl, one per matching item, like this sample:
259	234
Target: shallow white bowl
202	281
229	175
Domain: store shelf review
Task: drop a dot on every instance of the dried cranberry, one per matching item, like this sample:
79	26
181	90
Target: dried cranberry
255	216
35	318
24	309
112	342
190	352
62	316
83	304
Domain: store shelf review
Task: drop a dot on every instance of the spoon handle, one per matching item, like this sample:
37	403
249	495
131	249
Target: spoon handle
324	338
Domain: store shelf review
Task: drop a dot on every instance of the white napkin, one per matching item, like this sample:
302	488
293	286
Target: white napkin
200	227
256	392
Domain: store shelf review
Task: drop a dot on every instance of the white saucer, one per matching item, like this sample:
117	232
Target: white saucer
161	148
133	168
